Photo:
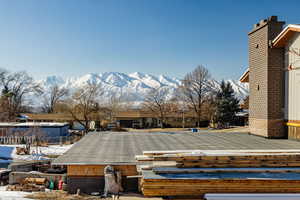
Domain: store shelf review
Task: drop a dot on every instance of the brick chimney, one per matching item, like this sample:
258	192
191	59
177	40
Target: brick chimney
266	80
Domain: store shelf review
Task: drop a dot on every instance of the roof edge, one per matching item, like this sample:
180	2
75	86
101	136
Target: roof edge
245	76
284	34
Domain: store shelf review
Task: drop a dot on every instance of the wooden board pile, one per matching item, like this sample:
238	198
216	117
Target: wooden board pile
4	176
29	185
191	174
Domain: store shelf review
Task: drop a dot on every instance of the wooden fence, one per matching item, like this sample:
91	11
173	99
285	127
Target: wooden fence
17	139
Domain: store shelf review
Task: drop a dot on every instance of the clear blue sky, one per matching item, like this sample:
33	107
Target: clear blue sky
73	37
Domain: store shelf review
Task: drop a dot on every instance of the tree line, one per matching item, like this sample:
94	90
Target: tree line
196	92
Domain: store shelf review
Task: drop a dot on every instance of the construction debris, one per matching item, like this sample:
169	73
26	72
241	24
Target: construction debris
23	150
37	181
4	176
28	187
192	174
61	195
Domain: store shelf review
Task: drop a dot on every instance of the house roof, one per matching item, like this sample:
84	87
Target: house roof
61	117
33	124
49	116
135	114
285	35
245	77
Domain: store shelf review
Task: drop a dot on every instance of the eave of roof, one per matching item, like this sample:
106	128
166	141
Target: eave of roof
245	77
285	35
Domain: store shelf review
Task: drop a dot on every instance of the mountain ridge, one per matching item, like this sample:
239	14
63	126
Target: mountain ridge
134	85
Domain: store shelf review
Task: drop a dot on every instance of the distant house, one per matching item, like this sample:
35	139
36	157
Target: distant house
55	117
144	119
50	131
136	118
48	117
274	79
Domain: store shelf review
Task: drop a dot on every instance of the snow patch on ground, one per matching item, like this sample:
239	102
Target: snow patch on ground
9	151
12	195
6	151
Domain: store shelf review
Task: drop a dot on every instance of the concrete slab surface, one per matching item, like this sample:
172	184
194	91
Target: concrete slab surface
121	147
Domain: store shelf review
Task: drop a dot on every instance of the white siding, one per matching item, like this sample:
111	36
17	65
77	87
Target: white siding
292	99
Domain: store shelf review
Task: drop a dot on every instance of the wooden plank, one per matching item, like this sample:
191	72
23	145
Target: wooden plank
223	152
143	158
237	164
174	170
214	182
98	170
187	157
153	153
201	191
157	164
182	179
184	187
247	196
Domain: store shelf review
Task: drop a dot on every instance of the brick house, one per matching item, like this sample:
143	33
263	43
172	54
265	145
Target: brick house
274	79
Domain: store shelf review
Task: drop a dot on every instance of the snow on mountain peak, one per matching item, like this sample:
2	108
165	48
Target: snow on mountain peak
137	75
241	89
135	85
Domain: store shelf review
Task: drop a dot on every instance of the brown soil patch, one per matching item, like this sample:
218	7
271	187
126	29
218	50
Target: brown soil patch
61	195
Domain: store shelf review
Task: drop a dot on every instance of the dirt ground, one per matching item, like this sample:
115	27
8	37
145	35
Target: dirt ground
242	129
152	130
235	129
60	195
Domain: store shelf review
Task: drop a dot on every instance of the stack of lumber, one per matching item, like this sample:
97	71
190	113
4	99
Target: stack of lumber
29	185
37	181
191	174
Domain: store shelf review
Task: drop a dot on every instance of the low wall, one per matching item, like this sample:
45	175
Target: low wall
98	170
88	185
90	178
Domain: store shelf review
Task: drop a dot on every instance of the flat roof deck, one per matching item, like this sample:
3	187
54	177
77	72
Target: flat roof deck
121	147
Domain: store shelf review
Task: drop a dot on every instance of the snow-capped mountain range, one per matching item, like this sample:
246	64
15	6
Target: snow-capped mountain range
134	86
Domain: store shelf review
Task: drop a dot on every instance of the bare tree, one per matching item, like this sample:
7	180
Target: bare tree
56	94
157	101
4	111
196	87
114	105
5	97
84	104
16	87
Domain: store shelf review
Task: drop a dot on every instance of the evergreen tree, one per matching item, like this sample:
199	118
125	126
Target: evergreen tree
227	104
